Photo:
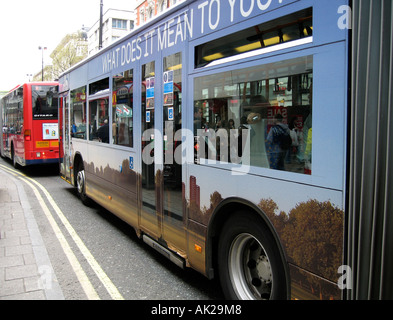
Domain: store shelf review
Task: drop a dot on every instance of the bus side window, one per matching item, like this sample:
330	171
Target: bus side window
123	110
272	117
99	121
78	113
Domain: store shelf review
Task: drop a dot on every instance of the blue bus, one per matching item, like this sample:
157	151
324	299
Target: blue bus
231	135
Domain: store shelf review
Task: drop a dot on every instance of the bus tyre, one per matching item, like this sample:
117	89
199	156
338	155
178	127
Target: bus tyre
14	162
81	186
249	263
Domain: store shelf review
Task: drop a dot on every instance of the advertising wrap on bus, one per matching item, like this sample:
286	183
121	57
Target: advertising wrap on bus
200	19
217	132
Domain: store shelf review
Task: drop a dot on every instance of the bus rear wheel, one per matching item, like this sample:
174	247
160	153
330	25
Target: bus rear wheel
249	264
13	158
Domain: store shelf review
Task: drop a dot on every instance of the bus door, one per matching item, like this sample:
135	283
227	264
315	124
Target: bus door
17	111
173	210
162	184
148	217
4	135
65	141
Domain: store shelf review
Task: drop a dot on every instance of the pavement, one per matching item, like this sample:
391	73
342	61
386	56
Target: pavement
26	272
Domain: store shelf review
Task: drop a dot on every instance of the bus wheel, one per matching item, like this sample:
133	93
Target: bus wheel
81	186
14	162
249	264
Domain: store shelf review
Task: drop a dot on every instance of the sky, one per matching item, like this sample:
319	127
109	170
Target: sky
27	24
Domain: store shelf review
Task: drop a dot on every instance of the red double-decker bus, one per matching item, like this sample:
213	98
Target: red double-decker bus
29	121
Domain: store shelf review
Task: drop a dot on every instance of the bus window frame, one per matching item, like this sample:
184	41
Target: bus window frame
319	178
71	107
135	108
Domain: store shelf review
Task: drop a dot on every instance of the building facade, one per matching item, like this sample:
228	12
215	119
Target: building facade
116	24
147	9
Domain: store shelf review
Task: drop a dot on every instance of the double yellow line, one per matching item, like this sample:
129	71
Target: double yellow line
80	273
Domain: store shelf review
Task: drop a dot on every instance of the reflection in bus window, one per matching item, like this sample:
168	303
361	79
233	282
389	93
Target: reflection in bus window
267	109
99	120
122	104
78	113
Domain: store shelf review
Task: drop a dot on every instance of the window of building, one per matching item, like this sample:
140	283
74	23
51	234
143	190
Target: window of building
161	5
119	24
142	16
260	116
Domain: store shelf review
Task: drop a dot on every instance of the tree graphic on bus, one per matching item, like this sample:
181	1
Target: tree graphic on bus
311	234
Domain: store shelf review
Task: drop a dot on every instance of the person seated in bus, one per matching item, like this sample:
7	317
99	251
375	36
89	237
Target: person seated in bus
276	145
231	124
292	151
73	130
103	132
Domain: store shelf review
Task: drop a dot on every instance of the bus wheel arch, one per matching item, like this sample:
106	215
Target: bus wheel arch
236	223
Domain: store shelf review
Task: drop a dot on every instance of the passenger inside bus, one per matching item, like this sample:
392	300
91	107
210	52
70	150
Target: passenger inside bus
99	125
103	132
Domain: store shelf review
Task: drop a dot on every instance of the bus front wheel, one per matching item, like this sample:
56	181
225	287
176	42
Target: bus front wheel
249	264
81	185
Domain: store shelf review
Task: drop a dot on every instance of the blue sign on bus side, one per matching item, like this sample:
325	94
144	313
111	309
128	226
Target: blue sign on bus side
170	114
132	163
168	87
